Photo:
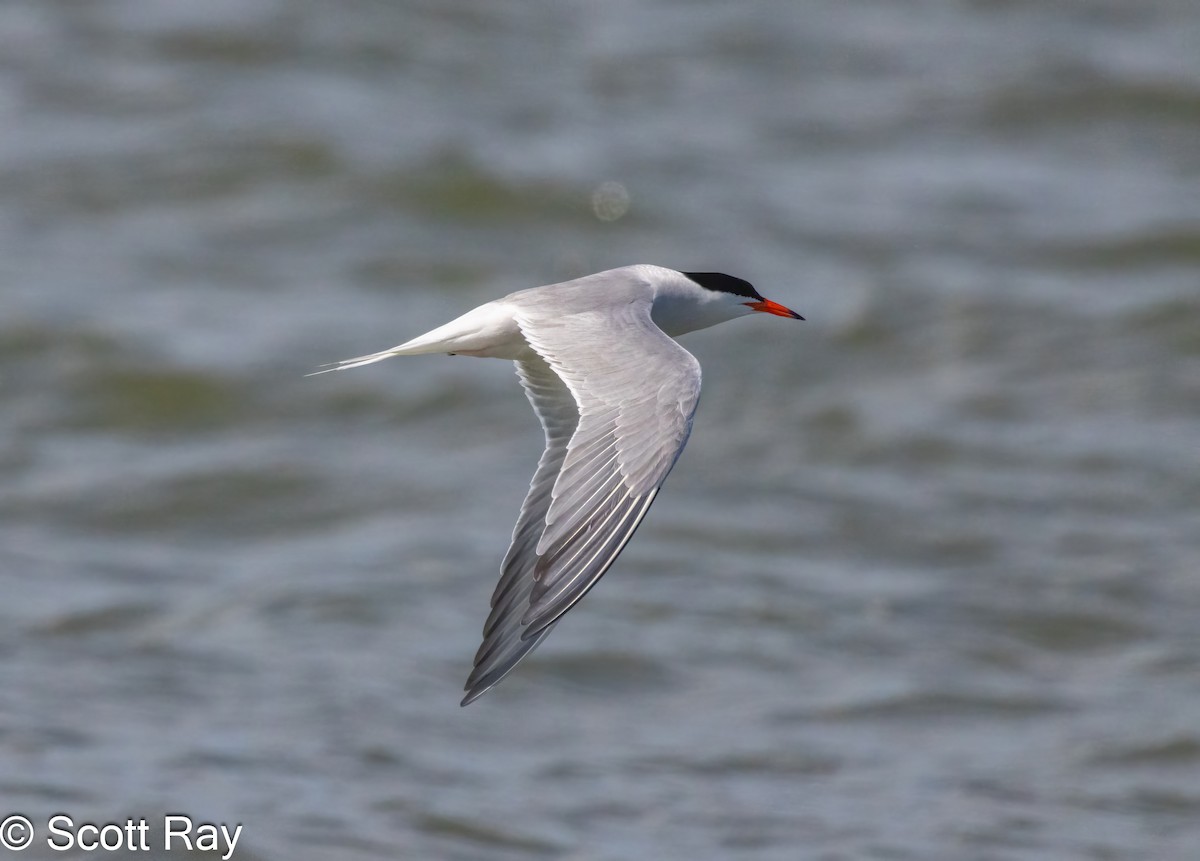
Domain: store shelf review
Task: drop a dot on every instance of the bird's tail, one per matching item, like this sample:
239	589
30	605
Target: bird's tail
484	328
358	361
427	343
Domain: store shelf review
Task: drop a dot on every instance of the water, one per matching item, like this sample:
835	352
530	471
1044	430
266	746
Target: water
924	584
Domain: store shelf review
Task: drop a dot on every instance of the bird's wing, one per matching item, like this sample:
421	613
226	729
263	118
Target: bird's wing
616	397
502	646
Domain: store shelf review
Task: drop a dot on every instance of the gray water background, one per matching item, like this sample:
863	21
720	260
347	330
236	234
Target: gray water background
924	585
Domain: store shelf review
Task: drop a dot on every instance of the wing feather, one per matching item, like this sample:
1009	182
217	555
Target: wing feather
615	396
502	647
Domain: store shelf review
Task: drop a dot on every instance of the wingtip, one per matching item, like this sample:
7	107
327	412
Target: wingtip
479	683
474	693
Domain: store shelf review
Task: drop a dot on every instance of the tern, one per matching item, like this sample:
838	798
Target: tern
615	395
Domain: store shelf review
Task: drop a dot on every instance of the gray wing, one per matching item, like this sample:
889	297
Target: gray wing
616	397
502	646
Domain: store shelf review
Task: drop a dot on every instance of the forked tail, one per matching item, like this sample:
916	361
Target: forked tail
489	330
358	361
430	342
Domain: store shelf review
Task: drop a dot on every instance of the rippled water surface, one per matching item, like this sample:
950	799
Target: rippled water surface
925	584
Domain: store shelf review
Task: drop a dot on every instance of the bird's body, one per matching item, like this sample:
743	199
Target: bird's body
615	396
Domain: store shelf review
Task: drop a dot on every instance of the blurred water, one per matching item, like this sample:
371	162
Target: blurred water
924	585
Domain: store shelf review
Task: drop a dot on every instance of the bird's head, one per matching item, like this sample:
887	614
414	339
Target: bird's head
687	301
739	294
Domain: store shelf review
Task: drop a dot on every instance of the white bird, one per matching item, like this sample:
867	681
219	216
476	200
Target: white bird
615	396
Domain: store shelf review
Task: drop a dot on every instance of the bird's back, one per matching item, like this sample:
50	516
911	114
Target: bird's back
613	287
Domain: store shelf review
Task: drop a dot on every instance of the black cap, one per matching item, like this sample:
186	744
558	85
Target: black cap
723	283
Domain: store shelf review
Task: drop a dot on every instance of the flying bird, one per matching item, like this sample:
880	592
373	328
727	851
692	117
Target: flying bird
615	395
